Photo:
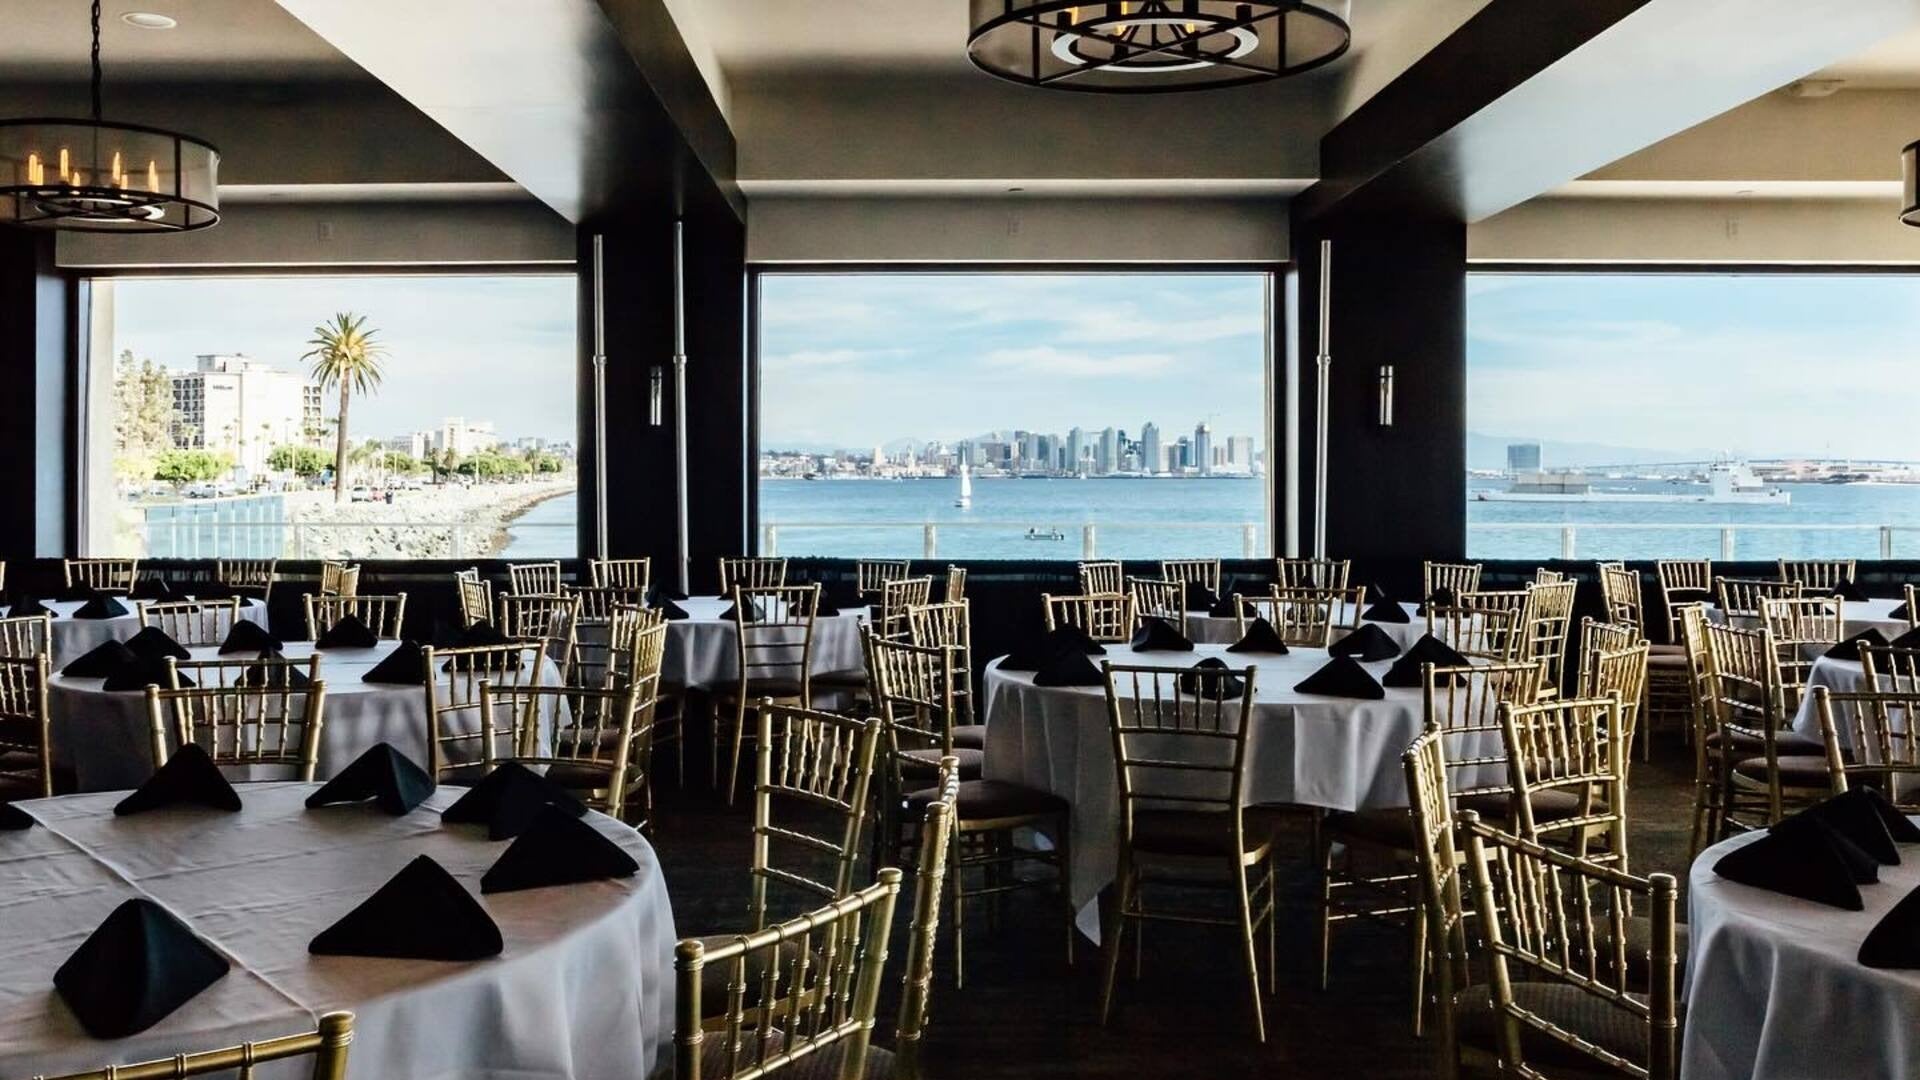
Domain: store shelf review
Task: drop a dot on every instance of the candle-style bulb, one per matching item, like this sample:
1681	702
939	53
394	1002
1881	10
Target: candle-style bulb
33	169
153	177
65	172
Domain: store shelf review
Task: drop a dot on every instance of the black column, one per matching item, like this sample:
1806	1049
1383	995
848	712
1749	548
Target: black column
37	427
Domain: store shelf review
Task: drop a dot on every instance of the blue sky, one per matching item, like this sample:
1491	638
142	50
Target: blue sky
1756	365
854	360
486	348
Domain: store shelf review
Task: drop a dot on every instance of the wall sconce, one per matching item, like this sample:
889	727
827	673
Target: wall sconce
656	395
1386	395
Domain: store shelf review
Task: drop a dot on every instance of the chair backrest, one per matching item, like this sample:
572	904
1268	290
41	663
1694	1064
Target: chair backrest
1620	672
1159	599
594	637
832	959
949	625
1822	575
1870	737
1478	633
814	773
1683	581
916	986
1890	669
870	574
1741	597
339	579
751	573
251	574
1599	637
1912	604
229	672
1299	616
241	726
597	732
1461	707
554	618
458	745
26	635
1801	629
1457	578
1312	573
913	687
540	578
327	1045
1546	916
1620	595
1544	576
191	622
636	574
1546	619
476	597
1106	617
1741	681
25	726
106	575
1177	748
384	615
1101	576
1204	572
897	597
634	651
774	634
1576	749
956	584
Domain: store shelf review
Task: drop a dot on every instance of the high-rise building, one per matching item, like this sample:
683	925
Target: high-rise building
1107	457
1203	448
1152	458
1182	455
464	437
1076	449
1240	453
243	407
1523	457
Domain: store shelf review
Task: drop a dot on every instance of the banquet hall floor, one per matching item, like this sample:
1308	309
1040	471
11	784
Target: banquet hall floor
1023	1013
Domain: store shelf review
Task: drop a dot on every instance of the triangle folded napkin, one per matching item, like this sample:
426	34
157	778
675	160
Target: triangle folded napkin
421	913
1261	637
557	849
134	969
1341	677
1367	644
508	800
188	778
1405	672
1159	635
385	775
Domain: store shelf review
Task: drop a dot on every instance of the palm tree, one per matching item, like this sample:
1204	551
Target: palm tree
344	354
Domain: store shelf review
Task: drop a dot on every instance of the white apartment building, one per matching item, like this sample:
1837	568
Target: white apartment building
242	406
456	433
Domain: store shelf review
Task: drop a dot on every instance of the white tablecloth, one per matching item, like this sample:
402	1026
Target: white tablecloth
584	988
702	652
1840	676
1205	629
1337	753
1860	615
103	736
1775	989
74	638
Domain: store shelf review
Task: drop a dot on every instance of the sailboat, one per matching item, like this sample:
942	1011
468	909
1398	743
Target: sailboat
966	489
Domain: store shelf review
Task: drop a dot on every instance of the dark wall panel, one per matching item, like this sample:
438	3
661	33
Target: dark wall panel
36	424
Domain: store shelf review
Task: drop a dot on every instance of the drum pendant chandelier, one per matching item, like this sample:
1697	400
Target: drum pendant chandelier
1910	184
94	176
1154	46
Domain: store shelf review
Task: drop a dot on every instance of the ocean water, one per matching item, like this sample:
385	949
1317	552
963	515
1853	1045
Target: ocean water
546	531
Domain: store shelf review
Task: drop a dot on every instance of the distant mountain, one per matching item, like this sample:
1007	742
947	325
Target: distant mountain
1490	452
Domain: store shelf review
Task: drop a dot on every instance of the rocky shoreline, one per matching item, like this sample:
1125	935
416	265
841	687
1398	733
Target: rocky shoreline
436	522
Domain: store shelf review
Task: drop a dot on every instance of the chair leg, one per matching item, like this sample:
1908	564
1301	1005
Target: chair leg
1116	932
1273	930
1063	851
739	738
1253	954
1323	939
1419	968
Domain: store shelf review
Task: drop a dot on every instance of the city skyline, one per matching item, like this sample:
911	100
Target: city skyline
1080	450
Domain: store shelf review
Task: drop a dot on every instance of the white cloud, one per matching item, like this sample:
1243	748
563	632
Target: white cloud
816	358
1050	360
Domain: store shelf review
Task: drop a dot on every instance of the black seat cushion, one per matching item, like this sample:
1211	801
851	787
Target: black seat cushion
1553	804
986	800
970	736
1795	770
1200	832
971	761
1790	743
1606	1026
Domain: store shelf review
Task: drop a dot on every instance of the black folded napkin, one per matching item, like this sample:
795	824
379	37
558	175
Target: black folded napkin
1029	656
351	632
674	612
1850	648
1385	609
140	673
1158	635
1368	644
13	819
1405	672
508	800
25	604
478	634
101	661
274	676
1069	668
1895	941
421	913
189	777
753	613
214	590
1908	640
661	593
249	637
1341	677
1212	679
151	588
153	643
1809	861
1074	639
824	608
1900	611
383	774
1227	607
1261	637
1440	597
1199	597
1851	593
404	666
135	968
1855	816
102	606
1899	825
557	849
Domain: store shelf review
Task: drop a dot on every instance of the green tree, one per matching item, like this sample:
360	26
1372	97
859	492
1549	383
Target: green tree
192	466
303	461
143	415
345	355
400	463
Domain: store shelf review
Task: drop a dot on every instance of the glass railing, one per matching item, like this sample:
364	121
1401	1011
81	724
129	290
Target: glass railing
186	538
1025	539
1726	541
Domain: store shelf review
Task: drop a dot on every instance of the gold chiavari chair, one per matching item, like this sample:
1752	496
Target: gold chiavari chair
460	748
384	615
916	986
752	573
1611	564
1871	737
339	579
636	654
1912	604
1103	576
105	575
593	629
1890	669
1708	745
1106	617
1440	928
950	625
1489	634
1740	597
1546	618
870	575
1620	596
1668	691
252	575
1566	763
26	733
476	598
231	672
634	574
327	1045
1683	581
773	650
600	740
1563	987
26	635
816	993
897	597
242	726
1159	600
1299	616
541	578
1202	572
1456	578
956	584
1623	671
191	622
1802	629
1512	602
1818	575
1544	576
1761	765
1181	761
1599	637
554	618
1312	573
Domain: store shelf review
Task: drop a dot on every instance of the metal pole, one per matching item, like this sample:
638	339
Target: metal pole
1325	363
680	399
599	398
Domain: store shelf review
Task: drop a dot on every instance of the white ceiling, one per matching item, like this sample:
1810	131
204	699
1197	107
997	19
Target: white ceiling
1894	63
215	40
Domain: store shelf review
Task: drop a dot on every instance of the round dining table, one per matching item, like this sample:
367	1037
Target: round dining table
103	735
583	989
74	638
1775	989
1858	615
703	650
1206	629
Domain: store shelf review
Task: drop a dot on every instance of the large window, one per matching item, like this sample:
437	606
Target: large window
216	424
1749	416
1000	415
